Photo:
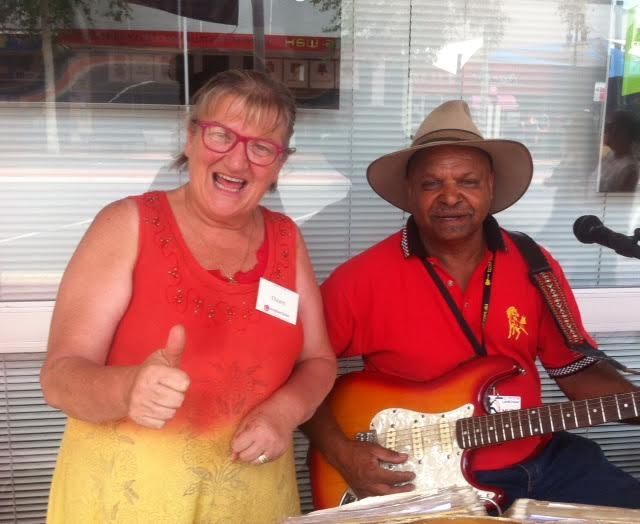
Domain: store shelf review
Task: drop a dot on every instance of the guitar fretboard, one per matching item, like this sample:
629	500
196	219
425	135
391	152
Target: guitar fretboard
475	432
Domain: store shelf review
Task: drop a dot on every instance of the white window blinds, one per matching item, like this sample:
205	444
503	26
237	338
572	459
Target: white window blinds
521	67
510	60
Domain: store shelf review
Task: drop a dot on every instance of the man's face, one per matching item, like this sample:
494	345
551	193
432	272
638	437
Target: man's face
450	191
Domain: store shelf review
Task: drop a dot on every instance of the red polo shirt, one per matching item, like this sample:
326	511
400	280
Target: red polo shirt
384	306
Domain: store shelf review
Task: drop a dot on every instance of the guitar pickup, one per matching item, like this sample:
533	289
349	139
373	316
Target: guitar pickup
417	429
391	437
445	436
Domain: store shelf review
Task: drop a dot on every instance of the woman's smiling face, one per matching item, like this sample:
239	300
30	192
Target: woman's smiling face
227	185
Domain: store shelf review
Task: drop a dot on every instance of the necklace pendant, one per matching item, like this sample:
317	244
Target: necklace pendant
232	280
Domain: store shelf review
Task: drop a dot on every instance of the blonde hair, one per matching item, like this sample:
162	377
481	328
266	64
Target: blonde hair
259	93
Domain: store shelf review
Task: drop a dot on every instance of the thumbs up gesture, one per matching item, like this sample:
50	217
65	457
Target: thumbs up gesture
159	385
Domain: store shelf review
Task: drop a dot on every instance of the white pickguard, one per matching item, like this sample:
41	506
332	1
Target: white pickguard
430	441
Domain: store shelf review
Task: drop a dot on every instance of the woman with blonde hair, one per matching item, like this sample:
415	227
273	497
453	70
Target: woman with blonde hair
188	340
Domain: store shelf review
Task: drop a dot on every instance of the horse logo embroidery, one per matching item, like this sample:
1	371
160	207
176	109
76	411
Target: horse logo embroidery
517	323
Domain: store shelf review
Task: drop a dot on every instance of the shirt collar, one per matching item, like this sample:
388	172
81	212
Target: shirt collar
412	244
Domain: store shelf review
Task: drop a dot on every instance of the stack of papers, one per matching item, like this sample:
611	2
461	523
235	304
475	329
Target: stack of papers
399	508
534	511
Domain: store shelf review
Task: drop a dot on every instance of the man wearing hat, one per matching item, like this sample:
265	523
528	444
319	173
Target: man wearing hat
453	286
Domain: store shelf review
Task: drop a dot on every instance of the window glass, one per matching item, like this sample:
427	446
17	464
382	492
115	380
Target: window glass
92	103
364	74
141	52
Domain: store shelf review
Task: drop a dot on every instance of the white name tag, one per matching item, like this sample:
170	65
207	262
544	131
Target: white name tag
500	403
277	301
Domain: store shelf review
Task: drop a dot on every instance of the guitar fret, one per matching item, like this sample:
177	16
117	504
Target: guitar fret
472	434
550	418
626	406
562	417
575	415
539	413
504	435
604	415
467	433
520	425
488	428
555	414
475	433
529	420
618	408
534	420
513	435
588	412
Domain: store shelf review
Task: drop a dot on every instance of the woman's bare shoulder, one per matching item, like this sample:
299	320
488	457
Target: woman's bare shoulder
114	231
121	213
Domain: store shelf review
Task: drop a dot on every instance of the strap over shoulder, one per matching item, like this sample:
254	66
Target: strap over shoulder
542	275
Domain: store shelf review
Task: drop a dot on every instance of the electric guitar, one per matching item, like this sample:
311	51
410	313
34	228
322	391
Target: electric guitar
438	423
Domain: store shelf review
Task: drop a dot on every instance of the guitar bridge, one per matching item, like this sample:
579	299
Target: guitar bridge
367	436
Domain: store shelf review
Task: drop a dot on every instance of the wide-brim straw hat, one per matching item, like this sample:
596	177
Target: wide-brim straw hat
450	124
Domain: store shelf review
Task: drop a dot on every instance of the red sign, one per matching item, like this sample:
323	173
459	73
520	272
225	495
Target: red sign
173	40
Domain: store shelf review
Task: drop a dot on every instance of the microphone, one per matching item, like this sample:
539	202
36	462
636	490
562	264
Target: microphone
589	229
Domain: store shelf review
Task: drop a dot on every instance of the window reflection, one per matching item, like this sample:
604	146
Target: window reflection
620	151
160	52
120	73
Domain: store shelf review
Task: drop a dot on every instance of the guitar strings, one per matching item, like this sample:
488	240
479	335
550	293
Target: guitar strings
520	428
405	435
523	422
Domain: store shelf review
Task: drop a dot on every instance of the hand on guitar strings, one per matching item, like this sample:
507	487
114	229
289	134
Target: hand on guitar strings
360	465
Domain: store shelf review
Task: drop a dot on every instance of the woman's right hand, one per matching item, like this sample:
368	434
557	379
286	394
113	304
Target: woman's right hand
159	386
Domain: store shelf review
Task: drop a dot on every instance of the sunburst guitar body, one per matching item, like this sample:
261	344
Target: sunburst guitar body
439	423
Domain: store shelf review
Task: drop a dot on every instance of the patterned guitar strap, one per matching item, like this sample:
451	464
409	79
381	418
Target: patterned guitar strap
547	282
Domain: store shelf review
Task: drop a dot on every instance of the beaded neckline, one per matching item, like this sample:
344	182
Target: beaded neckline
205	300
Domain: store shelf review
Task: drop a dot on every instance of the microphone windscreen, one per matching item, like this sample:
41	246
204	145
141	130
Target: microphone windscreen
583	228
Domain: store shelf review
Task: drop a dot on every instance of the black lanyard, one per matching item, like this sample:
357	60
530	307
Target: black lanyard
478	347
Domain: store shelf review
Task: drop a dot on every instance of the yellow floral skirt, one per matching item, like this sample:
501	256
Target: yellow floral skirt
124	473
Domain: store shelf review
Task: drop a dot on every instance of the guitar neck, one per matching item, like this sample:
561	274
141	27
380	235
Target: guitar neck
475	432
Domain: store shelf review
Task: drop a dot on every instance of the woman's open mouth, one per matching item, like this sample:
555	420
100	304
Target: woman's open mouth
228	183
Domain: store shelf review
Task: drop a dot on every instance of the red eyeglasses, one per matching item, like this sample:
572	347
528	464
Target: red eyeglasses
221	139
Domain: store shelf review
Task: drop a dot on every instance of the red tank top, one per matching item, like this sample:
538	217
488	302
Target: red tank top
235	355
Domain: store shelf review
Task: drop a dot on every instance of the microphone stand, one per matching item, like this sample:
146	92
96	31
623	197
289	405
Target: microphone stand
636	238
627	250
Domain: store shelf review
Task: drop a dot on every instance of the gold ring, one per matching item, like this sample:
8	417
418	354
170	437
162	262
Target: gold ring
262	458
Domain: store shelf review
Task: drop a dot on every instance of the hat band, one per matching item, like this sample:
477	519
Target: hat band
446	135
